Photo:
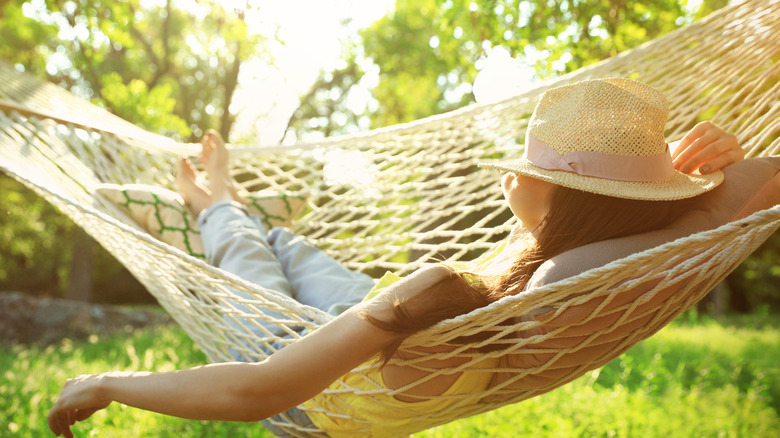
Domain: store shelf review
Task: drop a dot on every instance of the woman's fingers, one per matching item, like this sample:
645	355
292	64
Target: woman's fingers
729	156
59	423
708	155
78	401
706	148
694	142
696	132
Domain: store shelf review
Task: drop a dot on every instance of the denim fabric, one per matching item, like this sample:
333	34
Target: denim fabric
292	416
282	261
278	260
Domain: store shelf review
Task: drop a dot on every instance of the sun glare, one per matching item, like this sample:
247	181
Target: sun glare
312	42
348	167
501	76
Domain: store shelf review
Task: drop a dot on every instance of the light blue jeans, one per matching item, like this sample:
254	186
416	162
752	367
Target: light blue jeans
278	260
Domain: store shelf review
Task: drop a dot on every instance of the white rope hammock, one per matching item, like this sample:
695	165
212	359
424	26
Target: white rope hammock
725	68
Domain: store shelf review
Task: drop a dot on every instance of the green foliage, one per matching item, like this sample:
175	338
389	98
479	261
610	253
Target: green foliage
36	255
33	232
427	53
415	72
152	109
20	36
689	380
325	109
756	282
169	67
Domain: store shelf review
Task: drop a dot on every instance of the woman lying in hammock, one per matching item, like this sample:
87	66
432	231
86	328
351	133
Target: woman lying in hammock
596	167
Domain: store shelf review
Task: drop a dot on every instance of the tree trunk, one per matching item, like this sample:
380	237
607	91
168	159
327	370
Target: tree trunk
82	255
230	84
738	301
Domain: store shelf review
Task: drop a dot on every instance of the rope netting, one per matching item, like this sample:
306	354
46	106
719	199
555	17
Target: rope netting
393	199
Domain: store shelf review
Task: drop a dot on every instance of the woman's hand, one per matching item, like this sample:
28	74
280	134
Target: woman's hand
80	398
706	148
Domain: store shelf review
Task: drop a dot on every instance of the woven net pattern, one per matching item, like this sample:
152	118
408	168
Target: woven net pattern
395	198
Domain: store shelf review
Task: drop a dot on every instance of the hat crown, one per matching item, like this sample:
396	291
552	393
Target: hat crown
613	116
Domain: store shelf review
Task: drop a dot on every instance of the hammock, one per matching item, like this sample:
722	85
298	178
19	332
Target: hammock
725	68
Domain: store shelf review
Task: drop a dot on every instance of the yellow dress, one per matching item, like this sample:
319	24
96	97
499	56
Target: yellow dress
363	407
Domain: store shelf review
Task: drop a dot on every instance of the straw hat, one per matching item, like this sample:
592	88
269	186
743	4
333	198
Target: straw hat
605	136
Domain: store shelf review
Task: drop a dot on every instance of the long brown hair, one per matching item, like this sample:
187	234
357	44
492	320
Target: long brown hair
575	218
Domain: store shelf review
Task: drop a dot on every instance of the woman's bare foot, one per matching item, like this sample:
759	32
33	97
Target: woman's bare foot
214	154
215	158
195	197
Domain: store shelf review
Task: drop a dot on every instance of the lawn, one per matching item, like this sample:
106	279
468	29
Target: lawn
695	378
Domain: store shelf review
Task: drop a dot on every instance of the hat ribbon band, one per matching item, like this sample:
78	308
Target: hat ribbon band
599	164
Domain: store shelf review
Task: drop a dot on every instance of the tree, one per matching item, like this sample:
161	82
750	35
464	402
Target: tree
427	53
165	68
325	108
31	258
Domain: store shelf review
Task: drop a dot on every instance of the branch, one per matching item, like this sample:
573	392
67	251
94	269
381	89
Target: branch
338	77
97	84
231	82
163	67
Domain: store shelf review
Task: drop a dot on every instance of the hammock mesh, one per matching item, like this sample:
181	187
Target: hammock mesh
419	198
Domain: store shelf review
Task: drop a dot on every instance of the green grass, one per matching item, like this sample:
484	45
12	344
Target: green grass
692	379
31	379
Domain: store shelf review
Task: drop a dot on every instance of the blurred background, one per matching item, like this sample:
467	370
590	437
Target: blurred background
265	72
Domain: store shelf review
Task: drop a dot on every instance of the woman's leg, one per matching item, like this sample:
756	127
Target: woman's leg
281	261
317	279
239	244
234	241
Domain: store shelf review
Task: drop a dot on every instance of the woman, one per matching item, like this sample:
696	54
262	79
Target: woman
596	167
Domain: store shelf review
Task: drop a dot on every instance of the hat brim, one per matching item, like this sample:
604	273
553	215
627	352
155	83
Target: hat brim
678	186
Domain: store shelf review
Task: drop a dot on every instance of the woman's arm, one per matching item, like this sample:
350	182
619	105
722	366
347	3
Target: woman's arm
229	391
706	148
245	391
